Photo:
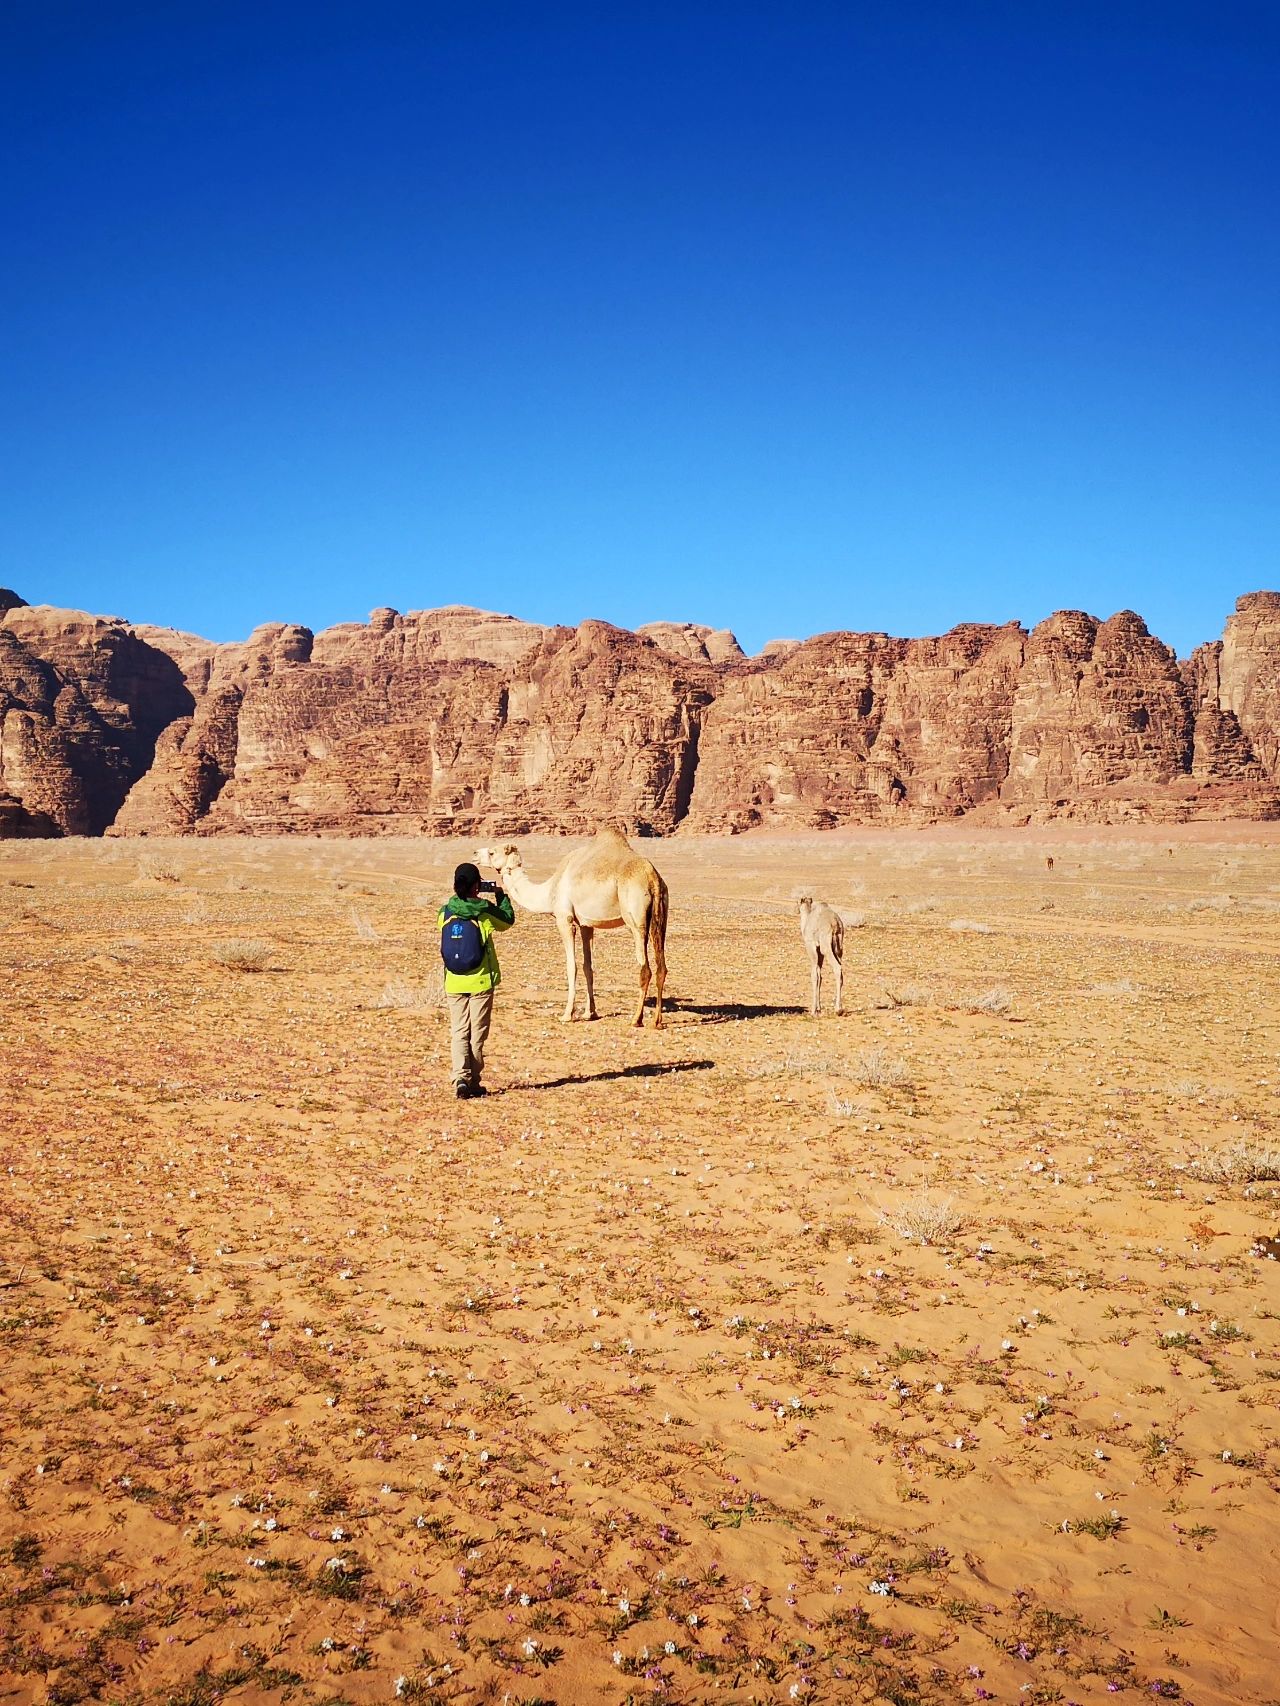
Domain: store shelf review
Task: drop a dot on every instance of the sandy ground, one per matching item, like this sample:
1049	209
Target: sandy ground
636	1380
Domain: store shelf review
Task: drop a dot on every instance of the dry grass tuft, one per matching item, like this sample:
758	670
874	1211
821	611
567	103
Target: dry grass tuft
992	1001
153	867
363	927
241	954
924	1219
907	995
1243	1162
876	1069
973	926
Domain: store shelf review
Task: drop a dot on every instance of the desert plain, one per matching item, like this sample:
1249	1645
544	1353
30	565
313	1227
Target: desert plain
918	1354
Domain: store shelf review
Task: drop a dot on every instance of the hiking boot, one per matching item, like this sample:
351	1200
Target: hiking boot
462	1091
478	1090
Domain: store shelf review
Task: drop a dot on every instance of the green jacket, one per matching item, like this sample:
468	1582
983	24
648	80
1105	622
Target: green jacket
490	915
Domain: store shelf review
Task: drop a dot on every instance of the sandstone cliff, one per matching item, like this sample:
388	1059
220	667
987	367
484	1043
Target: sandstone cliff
460	721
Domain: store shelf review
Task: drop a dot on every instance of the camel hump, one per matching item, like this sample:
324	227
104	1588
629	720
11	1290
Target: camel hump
609	833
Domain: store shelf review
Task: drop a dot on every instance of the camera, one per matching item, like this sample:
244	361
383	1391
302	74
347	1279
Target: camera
488	888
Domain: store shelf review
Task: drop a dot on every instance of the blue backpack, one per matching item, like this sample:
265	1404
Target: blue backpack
462	945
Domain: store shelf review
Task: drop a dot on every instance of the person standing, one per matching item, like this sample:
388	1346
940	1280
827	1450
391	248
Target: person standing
466	923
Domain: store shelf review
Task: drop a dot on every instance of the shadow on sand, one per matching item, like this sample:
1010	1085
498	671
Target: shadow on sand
717	1011
657	1069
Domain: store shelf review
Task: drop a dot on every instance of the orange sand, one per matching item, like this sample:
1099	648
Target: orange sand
622	1384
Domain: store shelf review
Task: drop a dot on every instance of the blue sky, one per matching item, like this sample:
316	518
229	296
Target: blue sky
776	317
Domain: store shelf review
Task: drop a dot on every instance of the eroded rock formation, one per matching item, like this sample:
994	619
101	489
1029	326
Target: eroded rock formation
459	721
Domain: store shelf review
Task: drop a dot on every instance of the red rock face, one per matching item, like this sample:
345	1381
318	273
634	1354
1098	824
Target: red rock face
83	701
458	721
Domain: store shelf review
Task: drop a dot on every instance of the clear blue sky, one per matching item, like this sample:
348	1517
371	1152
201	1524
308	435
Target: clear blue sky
783	317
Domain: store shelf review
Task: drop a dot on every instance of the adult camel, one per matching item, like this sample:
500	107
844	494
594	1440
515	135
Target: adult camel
601	886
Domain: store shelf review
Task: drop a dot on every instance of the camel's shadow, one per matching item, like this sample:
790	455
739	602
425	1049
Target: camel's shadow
715	1012
655	1069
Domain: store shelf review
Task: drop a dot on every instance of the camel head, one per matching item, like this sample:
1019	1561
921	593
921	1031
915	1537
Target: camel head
805	904
500	859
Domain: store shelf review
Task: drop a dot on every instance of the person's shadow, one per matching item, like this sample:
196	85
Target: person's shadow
656	1069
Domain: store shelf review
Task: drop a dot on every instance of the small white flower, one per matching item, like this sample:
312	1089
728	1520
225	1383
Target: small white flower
693	1620
530	1647
335	1564
402	1682
624	1606
617	1656
271	1525
669	1648
338	1534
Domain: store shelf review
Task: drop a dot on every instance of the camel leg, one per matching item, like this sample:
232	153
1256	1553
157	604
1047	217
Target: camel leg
587	933
837	966
642	961
566	928
815	969
660	979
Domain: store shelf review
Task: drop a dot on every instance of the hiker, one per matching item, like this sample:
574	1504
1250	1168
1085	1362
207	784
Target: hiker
466	922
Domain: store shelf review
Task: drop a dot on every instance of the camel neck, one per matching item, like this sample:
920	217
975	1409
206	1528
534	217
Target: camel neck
534	897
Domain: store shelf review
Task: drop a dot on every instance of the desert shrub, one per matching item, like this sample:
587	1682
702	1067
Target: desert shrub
924	1219
907	995
363	927
793	1066
876	1069
1119	986
243	955
844	1107
152	866
992	1001
1241	1162
971	926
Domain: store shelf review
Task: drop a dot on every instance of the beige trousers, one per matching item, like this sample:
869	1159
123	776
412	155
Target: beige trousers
469	1017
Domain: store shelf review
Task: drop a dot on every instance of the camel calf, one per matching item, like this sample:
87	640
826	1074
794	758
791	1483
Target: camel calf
822	933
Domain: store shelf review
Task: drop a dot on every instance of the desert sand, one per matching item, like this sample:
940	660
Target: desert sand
921	1354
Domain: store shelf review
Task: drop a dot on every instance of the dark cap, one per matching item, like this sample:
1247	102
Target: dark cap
465	879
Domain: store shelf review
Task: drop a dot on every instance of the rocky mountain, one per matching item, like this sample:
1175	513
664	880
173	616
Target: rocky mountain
456	721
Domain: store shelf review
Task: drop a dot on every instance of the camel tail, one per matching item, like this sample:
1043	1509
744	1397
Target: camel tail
656	932
656	942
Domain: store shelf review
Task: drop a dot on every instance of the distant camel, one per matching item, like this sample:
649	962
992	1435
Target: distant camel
601	886
822	933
